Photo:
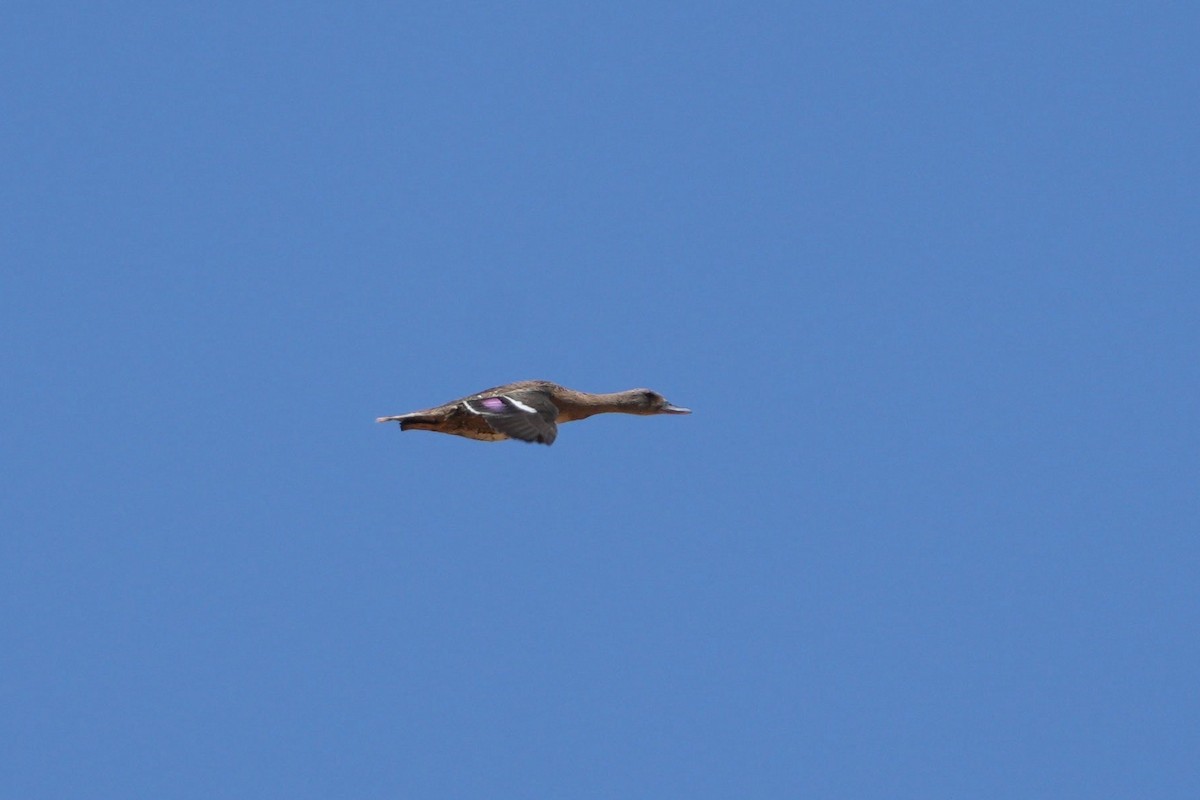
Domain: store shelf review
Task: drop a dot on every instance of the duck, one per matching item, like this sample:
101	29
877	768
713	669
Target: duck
529	411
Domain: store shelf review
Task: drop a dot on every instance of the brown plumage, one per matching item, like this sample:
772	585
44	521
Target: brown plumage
528	410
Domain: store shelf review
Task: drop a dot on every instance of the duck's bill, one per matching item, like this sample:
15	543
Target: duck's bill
670	409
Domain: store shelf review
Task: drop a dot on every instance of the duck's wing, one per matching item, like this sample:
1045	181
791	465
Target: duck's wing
526	415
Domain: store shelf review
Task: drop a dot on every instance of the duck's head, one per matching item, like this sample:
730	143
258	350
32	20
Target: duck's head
645	401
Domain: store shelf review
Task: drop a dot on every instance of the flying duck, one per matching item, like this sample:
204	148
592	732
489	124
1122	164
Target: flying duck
529	411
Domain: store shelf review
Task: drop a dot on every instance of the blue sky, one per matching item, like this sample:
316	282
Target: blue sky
927	275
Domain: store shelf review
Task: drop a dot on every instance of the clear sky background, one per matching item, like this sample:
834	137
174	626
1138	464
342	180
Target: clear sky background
928	276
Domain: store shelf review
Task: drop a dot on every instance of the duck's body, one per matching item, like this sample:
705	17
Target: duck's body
528	410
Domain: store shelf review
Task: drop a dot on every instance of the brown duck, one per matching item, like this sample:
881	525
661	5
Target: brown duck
529	411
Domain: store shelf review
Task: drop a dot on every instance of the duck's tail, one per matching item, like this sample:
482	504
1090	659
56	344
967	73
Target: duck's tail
409	421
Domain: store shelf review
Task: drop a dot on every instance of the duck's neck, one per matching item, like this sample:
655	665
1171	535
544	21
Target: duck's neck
575	405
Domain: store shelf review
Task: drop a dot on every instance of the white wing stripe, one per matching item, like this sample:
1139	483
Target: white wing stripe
520	405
